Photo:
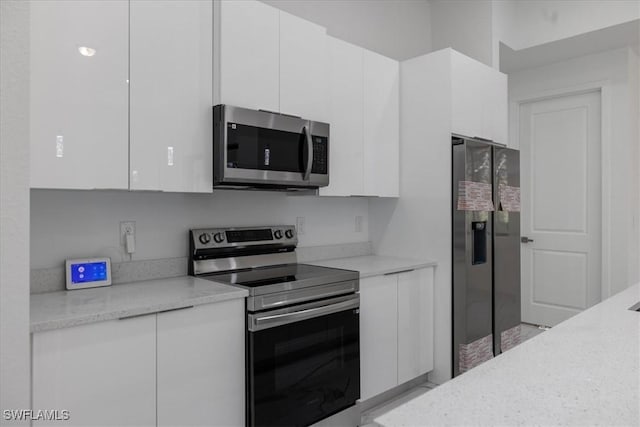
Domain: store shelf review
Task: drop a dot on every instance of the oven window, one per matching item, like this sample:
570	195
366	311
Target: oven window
303	372
250	147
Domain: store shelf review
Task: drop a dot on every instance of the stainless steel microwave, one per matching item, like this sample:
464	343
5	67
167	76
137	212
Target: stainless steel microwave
261	149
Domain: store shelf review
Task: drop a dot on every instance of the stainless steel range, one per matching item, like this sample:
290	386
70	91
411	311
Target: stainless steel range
303	357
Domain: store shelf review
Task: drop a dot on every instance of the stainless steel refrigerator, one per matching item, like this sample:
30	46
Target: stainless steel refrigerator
485	251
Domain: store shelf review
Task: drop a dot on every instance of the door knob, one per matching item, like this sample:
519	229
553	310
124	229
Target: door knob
525	239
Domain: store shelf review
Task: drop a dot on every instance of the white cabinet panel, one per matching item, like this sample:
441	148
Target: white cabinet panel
381	125
346	112
496	109
201	367
103	373
479	99
303	68
249	55
79	114
467	117
415	324
378	335
171	95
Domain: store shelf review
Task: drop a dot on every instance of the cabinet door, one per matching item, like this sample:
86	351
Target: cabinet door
79	95
103	373
171	95
479	99
381	126
415	324
201	367
304	57
378	335
466	98
496	109
346	155
249	51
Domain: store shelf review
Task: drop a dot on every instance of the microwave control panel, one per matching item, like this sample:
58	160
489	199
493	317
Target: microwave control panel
320	155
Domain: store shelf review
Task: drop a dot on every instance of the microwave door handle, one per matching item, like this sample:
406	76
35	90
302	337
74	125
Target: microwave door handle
307	171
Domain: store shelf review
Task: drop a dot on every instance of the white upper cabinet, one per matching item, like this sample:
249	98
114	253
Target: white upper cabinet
346	157
364	116
171	95
303	68
381	125
479	99
271	60
79	94
249	54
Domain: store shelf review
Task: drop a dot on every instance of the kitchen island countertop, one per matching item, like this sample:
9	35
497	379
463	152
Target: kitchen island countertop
584	371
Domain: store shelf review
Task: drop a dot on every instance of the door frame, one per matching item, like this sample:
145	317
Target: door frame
604	87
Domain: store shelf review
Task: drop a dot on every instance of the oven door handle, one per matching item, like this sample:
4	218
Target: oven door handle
307	132
259	322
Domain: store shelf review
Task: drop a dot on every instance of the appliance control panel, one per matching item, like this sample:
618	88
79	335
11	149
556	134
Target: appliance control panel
219	238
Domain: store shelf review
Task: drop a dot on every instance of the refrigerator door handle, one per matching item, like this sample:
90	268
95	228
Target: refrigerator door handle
525	239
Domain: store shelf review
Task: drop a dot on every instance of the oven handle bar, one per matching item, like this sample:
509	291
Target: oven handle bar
260	322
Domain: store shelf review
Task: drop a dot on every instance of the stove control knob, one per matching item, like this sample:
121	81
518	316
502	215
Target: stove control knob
278	234
289	234
218	237
204	238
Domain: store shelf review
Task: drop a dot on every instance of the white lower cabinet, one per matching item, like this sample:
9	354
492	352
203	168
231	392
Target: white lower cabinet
103	373
378	335
201	365
415	324
176	368
396	329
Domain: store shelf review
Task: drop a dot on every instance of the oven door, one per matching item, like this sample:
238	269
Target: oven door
303	362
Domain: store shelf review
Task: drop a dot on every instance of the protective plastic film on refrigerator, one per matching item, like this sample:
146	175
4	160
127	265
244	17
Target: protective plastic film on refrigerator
485	251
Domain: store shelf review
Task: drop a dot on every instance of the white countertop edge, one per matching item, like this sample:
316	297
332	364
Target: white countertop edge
376	265
59	320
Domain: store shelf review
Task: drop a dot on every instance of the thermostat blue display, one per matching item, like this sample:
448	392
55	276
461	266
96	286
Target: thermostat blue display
88	273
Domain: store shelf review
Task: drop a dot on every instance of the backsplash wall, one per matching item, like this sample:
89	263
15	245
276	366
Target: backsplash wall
76	224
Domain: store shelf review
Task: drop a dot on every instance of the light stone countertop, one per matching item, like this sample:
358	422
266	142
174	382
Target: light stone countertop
375	265
63	309
584	371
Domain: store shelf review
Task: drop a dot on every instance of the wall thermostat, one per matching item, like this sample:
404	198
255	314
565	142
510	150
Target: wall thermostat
88	273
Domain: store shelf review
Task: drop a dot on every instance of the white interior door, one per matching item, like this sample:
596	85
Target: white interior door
561	206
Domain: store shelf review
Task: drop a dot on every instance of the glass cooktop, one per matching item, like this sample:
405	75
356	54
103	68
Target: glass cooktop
264	276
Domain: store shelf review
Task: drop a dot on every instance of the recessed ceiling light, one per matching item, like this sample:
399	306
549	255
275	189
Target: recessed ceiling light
86	51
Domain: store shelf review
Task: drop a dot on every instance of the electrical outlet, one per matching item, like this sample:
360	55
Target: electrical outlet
127	227
300	227
358	225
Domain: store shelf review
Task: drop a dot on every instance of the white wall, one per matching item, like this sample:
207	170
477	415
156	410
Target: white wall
618	68
15	363
465	26
634	114
399	29
68	224
526	23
